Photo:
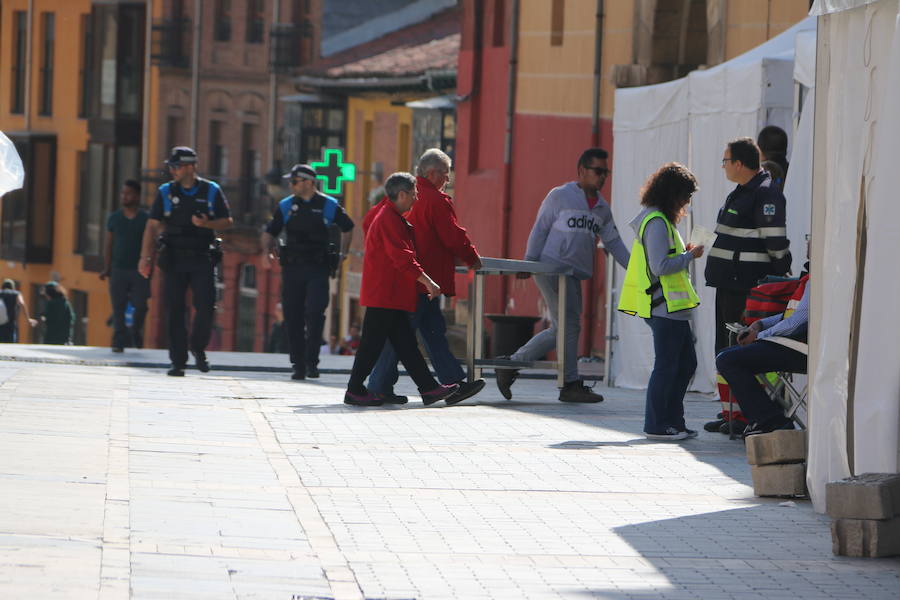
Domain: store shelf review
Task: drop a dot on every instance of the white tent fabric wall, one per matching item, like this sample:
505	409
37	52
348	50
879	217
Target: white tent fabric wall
876	417
689	121
653	133
857	79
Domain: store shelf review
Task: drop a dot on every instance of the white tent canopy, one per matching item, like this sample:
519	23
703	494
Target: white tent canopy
854	352
690	120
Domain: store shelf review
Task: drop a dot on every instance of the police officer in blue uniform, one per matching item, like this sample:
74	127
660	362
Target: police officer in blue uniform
184	219
308	256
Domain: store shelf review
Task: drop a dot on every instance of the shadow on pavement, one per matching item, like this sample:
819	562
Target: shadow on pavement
743	552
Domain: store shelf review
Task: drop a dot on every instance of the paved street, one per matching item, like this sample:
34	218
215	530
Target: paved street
118	482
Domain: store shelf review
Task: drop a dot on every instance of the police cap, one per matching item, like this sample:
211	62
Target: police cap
301	172
182	155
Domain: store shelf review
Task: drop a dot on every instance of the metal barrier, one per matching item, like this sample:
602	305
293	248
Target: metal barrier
475	332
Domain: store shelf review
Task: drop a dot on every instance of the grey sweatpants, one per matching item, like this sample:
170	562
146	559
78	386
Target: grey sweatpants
545	341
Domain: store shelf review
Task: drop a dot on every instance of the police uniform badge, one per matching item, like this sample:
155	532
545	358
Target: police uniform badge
769	210
176	200
294	208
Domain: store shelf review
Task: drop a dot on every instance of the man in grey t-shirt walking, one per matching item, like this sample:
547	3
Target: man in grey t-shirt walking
565	233
124	232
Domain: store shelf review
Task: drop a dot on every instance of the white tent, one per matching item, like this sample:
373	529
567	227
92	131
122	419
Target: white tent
690	120
854	351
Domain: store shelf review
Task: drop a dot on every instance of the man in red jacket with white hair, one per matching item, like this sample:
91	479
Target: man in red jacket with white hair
441	244
389	293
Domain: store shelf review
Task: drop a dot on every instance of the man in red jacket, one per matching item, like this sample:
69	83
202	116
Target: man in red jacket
440	243
389	293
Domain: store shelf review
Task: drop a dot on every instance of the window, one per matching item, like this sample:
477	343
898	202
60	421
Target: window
245	336
26	225
218	152
20	39
222	28
103	170
557	22
323	126
48	32
250	172
94	195
448	132
115	62
255	21
87	66
130	62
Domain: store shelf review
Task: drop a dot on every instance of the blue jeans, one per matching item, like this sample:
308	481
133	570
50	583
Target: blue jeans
739	365
673	368
429	321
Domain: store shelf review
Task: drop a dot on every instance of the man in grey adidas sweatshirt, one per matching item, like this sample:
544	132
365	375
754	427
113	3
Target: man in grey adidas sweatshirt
565	233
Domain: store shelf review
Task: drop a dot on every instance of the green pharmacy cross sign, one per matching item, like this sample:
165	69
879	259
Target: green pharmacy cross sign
333	171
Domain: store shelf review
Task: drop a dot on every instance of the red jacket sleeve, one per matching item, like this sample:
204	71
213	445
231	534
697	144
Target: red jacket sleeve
397	247
451	234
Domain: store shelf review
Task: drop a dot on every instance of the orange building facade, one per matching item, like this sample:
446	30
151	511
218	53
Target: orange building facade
47	108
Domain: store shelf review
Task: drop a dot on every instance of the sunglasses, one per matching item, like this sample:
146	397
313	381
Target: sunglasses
601	171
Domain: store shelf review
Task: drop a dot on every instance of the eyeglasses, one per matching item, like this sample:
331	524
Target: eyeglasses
724	160
600	171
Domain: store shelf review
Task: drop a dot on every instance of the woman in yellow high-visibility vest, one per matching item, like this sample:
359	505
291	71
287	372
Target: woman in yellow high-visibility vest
658	288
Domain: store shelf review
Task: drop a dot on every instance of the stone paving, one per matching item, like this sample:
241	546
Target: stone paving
119	482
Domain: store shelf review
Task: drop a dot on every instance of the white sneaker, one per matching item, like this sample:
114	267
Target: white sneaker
671	435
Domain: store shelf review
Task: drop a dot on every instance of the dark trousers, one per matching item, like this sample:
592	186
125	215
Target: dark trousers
729	309
9	333
739	365
673	367
304	298
379	326
128	285
429	322
199	277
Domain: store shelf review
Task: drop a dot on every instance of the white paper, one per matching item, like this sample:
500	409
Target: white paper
12	173
701	236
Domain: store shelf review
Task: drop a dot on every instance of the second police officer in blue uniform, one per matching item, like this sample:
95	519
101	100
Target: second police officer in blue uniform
307	258
187	211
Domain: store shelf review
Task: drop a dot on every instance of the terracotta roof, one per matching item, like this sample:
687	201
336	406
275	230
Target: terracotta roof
430	45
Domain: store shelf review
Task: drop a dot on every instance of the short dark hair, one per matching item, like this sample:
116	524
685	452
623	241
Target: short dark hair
669	189
590	154
133	184
399	182
745	150
772	138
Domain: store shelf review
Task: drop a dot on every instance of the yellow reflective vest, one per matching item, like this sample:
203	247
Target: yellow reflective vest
637	290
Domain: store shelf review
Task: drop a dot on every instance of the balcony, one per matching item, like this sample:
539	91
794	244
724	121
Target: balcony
287	45
171	43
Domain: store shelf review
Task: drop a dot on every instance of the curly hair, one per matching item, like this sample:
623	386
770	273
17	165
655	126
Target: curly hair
669	189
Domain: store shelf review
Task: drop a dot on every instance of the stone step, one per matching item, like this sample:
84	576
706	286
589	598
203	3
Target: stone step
777	447
866	496
865	537
779	480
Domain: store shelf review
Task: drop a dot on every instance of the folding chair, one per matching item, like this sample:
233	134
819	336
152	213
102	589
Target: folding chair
782	390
